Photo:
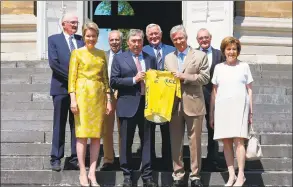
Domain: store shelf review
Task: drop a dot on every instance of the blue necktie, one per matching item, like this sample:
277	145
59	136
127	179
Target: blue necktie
72	47
181	60
159	57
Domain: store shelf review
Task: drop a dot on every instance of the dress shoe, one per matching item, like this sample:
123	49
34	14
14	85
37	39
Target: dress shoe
178	183
127	183
107	167
149	183
83	180
196	183
231	182
56	167
94	183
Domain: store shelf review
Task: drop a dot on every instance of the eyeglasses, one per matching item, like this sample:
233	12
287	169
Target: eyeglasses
72	22
203	37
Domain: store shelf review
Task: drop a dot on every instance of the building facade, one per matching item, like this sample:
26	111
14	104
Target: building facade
263	27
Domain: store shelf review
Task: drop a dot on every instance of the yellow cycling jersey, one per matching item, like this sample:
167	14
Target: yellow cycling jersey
161	87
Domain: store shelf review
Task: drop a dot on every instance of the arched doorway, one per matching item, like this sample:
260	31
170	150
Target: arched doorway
124	15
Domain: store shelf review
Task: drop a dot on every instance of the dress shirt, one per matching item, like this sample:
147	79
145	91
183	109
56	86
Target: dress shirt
185	52
142	63
67	36
210	55
111	56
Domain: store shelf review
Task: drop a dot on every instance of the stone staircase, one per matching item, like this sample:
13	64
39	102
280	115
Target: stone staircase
26	131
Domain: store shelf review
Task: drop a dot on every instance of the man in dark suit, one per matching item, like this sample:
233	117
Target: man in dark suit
59	50
214	57
159	50
115	41
127	76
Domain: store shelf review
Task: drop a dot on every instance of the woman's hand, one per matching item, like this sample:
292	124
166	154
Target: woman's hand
109	107
74	108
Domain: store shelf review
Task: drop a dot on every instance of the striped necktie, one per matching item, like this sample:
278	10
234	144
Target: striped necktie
159	57
139	68
72	47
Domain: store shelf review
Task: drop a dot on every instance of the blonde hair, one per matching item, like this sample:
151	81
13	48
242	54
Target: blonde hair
90	25
230	40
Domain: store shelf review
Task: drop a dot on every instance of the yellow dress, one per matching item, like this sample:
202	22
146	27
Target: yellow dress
88	78
161	89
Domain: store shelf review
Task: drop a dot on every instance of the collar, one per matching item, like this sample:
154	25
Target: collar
134	55
185	51
112	53
209	49
160	46
67	36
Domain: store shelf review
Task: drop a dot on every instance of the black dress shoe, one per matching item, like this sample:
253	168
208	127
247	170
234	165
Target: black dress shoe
149	183
179	183
127	183
56	167
107	167
196	183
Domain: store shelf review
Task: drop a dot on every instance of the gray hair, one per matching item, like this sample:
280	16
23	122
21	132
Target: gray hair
151	26
68	15
178	28
117	31
134	32
203	29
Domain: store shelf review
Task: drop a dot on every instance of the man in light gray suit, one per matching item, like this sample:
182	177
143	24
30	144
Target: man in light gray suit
115	41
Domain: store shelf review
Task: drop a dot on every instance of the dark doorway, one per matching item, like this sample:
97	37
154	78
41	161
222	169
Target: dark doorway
138	15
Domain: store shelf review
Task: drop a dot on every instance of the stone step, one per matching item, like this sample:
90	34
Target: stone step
43	163
275	99
46	137
49	178
43	149
48	115
262	126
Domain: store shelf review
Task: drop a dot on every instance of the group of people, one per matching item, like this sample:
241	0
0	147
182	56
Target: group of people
97	87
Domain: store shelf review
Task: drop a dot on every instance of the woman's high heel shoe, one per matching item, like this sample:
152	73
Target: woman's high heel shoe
232	182
240	185
94	183
82	183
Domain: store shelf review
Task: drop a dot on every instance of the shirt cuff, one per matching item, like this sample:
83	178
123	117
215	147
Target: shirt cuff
133	81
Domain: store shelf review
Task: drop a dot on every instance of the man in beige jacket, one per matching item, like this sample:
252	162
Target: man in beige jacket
191	67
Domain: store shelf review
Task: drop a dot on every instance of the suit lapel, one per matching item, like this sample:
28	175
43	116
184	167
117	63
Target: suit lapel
129	60
189	58
146	61
215	57
64	43
173	66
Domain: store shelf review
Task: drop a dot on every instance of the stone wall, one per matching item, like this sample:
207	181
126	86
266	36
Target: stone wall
267	9
17	7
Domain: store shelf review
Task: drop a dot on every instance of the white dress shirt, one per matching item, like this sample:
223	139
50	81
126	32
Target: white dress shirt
111	56
210	56
67	36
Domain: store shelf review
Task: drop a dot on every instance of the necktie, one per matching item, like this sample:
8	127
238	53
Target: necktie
72	47
159	57
139	68
205	50
181	60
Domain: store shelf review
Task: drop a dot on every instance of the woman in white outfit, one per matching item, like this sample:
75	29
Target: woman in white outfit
231	107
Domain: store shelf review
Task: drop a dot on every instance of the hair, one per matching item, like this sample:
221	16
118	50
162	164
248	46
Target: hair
134	32
151	26
230	40
203	29
68	15
117	31
90	25
176	29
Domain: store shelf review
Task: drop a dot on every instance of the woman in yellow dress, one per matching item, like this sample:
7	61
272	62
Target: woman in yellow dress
89	90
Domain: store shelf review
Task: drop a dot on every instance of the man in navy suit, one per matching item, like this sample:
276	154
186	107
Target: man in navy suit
159	50
214	57
127	76
59	50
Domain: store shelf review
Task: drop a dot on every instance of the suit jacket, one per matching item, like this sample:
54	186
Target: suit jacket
196	68
166	49
59	56
217	58
122	73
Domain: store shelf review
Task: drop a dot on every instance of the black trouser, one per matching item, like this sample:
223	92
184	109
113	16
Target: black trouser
127	131
213	145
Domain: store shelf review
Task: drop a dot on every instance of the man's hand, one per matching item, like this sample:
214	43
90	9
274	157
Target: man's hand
139	76
179	75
